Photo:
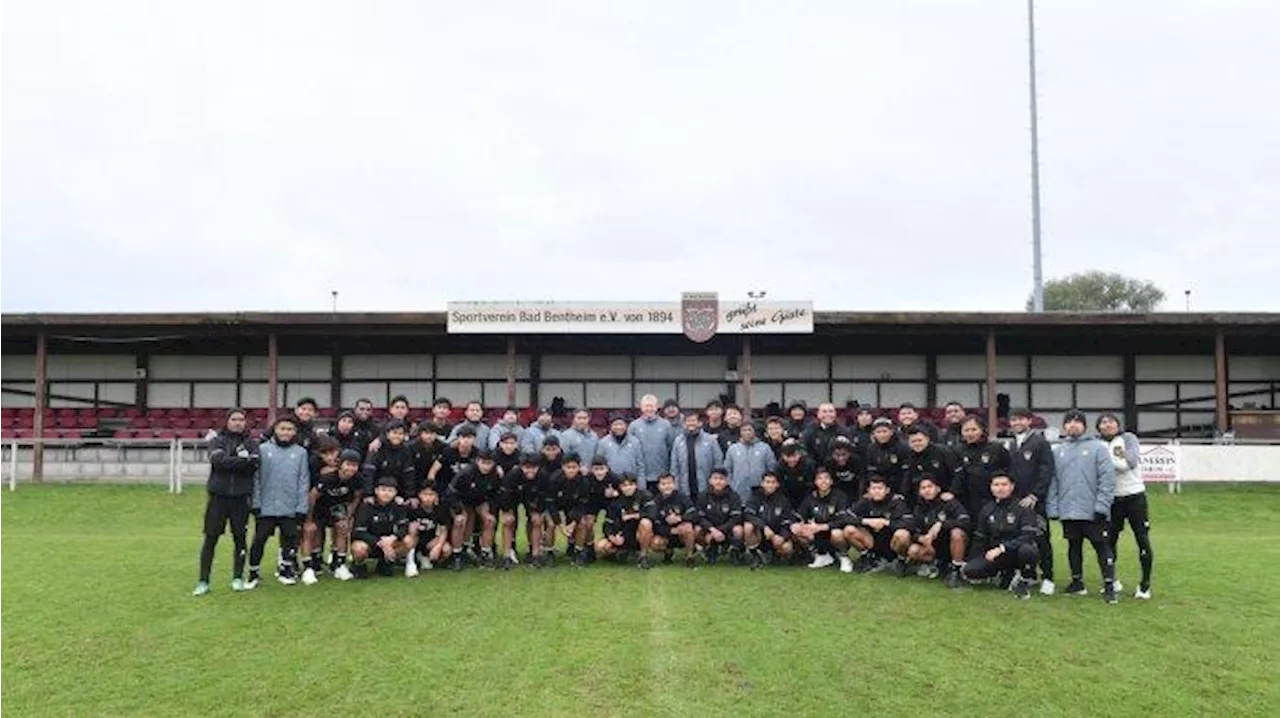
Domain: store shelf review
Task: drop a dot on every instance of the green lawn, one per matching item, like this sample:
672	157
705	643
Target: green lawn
98	620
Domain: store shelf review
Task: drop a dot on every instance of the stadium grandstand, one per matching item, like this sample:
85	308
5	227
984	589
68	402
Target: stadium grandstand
160	376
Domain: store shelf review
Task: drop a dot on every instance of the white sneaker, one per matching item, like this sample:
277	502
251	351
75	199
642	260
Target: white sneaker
846	564
1047	588
1139	594
343	573
822	560
251	584
309	577
424	562
1119	587
286	579
514	558
410	569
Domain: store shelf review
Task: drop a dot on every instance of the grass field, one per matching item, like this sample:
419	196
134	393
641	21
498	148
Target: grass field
98	620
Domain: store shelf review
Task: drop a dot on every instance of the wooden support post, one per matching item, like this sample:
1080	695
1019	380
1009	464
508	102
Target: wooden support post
1220	380
993	421
42	393
511	372
1130	392
273	376
745	376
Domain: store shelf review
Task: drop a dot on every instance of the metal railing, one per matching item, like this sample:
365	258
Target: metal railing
19	453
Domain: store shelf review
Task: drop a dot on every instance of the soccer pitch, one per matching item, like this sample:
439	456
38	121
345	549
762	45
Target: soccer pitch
98	620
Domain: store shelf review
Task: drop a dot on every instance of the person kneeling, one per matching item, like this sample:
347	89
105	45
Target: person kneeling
821	523
673	517
768	518
1008	536
940	534
880	529
628	523
719	516
429	524
382	530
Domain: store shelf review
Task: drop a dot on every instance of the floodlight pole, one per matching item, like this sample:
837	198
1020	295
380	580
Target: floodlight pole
1037	300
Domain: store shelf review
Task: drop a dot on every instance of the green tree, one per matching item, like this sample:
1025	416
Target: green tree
1097	291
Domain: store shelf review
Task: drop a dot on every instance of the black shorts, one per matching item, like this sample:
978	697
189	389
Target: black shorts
882	539
328	514
1132	509
1094	531
468	502
222	510
664	529
629	542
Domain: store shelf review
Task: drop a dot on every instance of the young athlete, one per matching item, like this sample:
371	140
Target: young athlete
628	524
552	458
304	412
454	458
820	521
955	413
602	488
532	439
473	418
774	436
845	466
795	472
980	459
886	455
233	462
927	458
747	460
909	418
619	448
580	438
1007	536
348	436
1031	467
324	458
1080	495
820	435
429	524
1130	503
797	419
382	531
507	455
441	408
673	520
392	458
508	424
940	534
470	496
570	499
719	517
767	518
334	500
880	528
524	487
280	491
397	411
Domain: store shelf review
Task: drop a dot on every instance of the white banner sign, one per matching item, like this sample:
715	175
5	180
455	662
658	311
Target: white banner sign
699	316
1161	463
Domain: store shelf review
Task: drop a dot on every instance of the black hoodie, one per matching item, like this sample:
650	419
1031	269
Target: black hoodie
233	459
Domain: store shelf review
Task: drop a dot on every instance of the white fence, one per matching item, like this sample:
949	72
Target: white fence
177	462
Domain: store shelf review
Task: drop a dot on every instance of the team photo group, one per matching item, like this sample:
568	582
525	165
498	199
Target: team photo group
710	486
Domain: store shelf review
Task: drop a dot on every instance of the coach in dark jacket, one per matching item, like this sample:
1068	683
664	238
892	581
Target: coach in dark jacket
1031	463
233	460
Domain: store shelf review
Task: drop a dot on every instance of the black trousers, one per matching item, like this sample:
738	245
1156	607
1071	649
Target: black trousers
1046	547
1133	510
1023	559
263	528
1097	533
218	513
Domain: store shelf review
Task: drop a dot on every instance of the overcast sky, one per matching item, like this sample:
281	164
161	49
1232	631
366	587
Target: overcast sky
866	155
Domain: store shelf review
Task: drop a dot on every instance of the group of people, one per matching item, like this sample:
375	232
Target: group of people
876	495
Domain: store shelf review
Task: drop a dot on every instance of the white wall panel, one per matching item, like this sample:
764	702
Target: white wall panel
895	394
125	393
77	391
810	393
290	367
495	394
661	389
878	367
162	395
1077	367
296	390
862	392
1100	395
1017	394
697	394
1056	395
776	366
571	392
1253	368
386	366
1156	420
1197	418
254	396
479	366
214	396
1012	366
91	367
1155	367
968	393
353	391
1151	393
419	393
609	395
586	367
166	367
961	366
763	393
15	400
16	367
710	368
1262	398
1206	392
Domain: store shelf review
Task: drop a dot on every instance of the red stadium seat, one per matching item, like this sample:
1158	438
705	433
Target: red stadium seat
123	434
7	433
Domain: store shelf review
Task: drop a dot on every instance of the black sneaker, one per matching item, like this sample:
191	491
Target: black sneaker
713	554
644	563
736	557
486	559
1109	593
668	556
534	562
508	564
580	560
954	579
459	562
756	560
899	568
360	570
386	568
1077	588
691	561
1021	589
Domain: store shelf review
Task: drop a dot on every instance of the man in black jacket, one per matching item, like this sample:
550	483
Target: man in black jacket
233	459
928	459
767	517
305	411
1006	537
1031	464
820	435
394	458
719	516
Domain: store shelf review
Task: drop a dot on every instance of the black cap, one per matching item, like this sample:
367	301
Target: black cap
347	413
797	403
349	455
670	402
530	458
466	430
486	454
617	416
388	481
1075	415
551	441
720	470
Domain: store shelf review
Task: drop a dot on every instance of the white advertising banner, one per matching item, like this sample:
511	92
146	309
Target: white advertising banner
699	317
1161	463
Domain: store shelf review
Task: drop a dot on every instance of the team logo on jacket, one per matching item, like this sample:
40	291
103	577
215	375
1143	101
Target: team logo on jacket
700	315
1009	518
986	458
1026	455
893	459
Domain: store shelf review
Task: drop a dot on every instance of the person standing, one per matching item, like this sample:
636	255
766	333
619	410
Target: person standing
531	439
747	461
694	455
1031	467
1080	496
580	438
281	488
233	461
1131	497
655	436
820	435
508	424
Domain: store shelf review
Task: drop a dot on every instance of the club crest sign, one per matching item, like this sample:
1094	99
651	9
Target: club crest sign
700	315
